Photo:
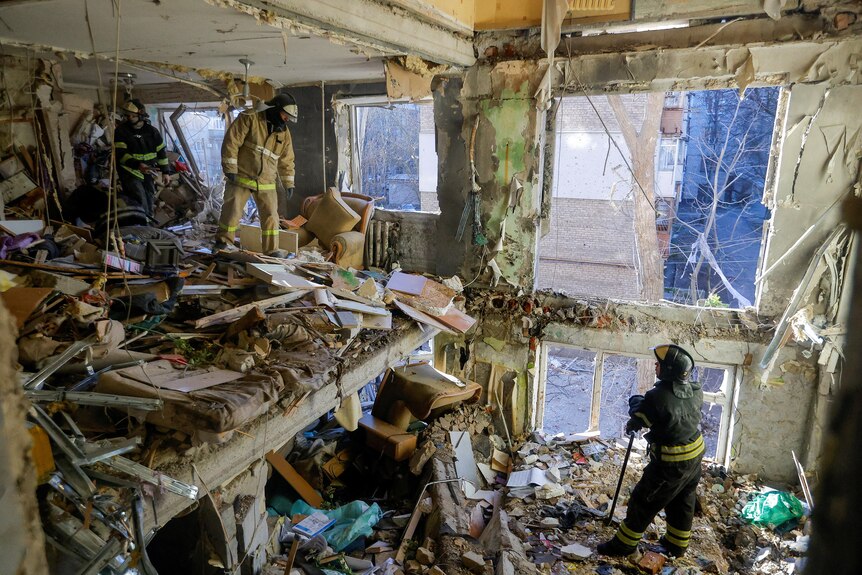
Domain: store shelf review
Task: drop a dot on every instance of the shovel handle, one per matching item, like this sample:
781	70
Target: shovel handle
622	474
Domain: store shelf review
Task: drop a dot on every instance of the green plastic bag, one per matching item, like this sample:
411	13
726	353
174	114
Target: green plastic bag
352	521
772	508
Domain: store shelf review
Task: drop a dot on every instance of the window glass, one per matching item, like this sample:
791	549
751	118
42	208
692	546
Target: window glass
397	156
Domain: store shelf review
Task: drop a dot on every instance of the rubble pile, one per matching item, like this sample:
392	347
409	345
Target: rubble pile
141	352
542	507
559	494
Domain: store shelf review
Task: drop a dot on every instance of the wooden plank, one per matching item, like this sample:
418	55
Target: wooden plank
360	308
68	270
457	320
286	470
423	317
236	313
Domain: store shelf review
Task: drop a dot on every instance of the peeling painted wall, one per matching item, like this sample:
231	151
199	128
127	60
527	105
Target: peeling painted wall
509	143
810	180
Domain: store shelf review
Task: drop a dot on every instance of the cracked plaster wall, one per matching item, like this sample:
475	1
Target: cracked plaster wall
771	418
22	541
828	169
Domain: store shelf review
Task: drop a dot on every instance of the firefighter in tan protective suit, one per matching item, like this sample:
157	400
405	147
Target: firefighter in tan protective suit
257	150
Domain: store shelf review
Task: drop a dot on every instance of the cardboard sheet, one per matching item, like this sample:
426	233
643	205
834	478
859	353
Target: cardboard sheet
23	301
278	275
18	227
163	375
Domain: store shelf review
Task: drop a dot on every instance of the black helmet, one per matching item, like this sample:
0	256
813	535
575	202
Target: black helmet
286	103
675	364
134	106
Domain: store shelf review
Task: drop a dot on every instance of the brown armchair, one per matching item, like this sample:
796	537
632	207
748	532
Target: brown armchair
347	249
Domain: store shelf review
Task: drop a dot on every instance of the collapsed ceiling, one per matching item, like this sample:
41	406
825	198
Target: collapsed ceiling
185	36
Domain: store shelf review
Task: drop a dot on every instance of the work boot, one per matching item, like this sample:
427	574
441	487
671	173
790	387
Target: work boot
219	246
614	548
672	549
282	254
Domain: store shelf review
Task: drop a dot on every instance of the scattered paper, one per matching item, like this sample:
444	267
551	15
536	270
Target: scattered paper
532	476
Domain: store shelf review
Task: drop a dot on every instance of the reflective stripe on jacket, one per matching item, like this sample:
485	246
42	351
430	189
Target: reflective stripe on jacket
255	155
134	147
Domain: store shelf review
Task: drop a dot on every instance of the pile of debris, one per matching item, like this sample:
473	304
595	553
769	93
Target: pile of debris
141	348
554	495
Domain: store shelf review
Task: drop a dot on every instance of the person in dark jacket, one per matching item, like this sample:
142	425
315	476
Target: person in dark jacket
671	411
140	156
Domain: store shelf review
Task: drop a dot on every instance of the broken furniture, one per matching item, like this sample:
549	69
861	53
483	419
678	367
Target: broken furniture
415	391
339	222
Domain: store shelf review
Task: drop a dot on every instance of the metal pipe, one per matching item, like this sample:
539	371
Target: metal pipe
38	380
138	517
96	399
149	476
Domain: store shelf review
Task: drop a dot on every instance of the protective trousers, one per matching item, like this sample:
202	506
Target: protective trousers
140	193
664	485
235	199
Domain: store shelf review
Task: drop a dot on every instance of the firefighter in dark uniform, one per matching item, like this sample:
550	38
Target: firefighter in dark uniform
671	411
141	156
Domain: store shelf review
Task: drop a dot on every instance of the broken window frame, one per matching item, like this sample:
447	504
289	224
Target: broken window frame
726	397
165	126
677	99
353	104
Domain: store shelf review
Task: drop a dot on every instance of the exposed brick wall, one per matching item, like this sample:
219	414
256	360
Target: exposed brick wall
589	249
576	114
428	202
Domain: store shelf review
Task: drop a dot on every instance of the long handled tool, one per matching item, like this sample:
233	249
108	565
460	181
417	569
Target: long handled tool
622	474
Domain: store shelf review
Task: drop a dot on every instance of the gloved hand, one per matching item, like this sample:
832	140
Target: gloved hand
633	425
230	177
166	179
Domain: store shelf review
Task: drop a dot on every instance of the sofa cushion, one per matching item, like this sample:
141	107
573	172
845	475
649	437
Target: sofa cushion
331	217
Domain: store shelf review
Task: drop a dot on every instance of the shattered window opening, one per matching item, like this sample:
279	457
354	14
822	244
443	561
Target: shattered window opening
204	129
699	182
579	398
394	154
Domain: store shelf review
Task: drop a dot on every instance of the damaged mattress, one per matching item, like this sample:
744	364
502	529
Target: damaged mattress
216	407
